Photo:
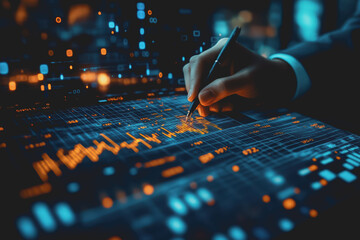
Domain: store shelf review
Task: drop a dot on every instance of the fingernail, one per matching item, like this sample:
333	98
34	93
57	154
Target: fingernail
206	96
189	95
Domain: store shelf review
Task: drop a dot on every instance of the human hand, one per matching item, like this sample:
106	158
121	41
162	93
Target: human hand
244	73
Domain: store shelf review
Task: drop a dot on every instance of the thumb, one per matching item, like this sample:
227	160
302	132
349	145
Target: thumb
224	87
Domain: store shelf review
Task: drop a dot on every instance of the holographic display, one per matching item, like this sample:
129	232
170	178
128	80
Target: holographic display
135	170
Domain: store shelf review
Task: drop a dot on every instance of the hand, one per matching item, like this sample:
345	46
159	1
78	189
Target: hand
244	73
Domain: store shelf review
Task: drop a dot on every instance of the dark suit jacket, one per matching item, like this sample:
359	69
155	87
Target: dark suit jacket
333	65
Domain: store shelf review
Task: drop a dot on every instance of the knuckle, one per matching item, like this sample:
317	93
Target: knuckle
186	68
193	59
222	41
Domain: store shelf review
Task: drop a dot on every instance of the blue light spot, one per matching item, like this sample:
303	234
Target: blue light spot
142	31
326	161
177	206
65	214
108	171
170	75
142	45
307	17
286	225
201	49
116	28
44	69
221	28
192	200
176	225
140	14
4	68
327	175
316	185
183	59
237	233
278	180
140	6
147	72
133	171
347	176
288	192
119	75
351	161
304	171
130	66
204	194
348	166
26	227
44	217
353	157
73	187
111	24
261	233
219	236
61	77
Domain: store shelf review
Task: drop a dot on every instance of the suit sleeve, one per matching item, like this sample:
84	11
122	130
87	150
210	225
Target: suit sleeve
333	61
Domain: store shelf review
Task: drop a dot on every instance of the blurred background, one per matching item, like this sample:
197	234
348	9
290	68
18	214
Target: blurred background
63	51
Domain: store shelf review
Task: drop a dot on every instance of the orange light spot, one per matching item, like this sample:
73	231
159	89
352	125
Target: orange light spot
42	88
12	85
103	79
51	53
289	203
172	171
138	164
206	158
235	168
49	86
115	238
99	13
323	182
112	32
160	74
107	202
193	185
314	159
149	12
103	51
313	213
58	19
71	67
266	198
297	190
210	178
44	36
40	76
313	168
211	202
69	53
88	77
338	158
148	189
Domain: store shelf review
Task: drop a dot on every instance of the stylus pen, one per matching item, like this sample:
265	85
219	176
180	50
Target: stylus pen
223	53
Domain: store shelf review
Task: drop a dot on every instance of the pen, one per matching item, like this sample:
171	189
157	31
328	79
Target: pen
226	48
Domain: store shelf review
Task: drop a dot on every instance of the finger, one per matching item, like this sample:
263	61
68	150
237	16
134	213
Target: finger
186	72
216	107
227	106
203	111
223	87
200	65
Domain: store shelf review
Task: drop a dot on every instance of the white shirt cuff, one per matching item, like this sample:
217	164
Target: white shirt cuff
302	78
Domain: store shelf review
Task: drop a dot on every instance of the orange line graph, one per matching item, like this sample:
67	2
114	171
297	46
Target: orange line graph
72	158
